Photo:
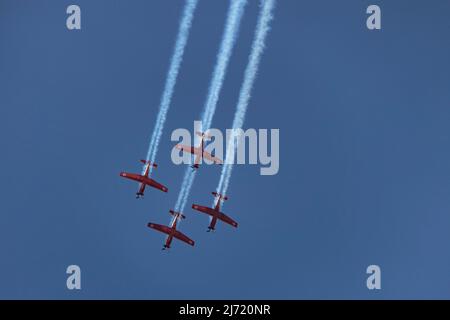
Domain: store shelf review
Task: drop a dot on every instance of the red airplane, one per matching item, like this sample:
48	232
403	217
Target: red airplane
199	151
172	231
215	212
144	179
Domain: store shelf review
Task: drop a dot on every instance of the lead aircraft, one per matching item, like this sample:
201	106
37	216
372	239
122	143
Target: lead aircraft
172	231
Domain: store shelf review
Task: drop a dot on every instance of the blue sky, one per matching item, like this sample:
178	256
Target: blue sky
364	166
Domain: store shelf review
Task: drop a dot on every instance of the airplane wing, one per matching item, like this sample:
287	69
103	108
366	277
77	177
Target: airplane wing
168	230
154	184
189	149
221	216
131	176
160	228
182	237
209	156
198	152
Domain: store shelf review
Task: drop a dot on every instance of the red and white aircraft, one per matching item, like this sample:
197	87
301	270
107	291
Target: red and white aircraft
199	151
171	230
215	212
144	179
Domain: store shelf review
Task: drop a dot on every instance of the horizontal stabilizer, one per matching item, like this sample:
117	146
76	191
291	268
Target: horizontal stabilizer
220	196
177	214
203	134
154	165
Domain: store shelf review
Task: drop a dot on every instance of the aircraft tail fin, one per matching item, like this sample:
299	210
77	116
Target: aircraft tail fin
203	134
177	215
154	165
220	196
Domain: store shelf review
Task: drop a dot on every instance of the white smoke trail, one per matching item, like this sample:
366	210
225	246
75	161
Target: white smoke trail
172	74
229	37
186	186
263	27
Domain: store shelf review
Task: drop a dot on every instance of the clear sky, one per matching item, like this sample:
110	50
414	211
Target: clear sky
364	167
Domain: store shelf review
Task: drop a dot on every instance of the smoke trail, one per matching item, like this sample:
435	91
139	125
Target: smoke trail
251	70
229	36
186	186
172	74
226	47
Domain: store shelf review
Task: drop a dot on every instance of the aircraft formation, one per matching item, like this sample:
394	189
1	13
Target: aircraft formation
171	231
230	34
